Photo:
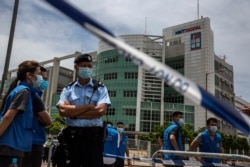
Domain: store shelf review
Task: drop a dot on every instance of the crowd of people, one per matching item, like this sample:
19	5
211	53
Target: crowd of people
89	141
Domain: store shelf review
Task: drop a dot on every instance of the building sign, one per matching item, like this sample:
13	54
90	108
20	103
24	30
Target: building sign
187	30
195	41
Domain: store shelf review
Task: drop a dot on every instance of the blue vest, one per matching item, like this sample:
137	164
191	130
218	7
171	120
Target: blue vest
111	141
207	145
19	133
123	144
167	143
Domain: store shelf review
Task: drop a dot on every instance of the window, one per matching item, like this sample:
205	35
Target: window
129	93
112	93
195	41
110	76
111	60
131	75
130	111
111	111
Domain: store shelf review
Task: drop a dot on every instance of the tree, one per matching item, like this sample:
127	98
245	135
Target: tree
56	126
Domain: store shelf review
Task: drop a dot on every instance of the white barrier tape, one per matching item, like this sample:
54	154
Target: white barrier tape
174	79
173	162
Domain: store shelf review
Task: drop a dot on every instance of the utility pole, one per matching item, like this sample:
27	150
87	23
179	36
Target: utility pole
7	60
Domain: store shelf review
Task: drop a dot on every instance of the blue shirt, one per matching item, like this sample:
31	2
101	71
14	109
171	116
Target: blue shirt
78	95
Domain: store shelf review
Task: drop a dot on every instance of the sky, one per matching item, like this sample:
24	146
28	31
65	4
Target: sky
42	33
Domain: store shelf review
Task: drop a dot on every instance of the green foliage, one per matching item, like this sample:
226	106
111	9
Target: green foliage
228	141
187	133
57	124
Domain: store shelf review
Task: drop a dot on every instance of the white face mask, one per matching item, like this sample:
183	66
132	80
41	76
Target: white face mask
120	130
213	128
181	121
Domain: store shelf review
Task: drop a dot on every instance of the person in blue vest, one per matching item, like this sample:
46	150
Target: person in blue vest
41	119
208	140
123	148
83	103
111	145
172	137
17	114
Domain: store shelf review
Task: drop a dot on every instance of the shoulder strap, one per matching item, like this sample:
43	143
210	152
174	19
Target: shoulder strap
97	84
70	84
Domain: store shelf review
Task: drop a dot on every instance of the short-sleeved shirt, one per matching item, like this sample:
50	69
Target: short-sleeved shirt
20	101
79	95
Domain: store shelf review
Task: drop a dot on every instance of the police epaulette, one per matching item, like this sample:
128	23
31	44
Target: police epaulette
97	84
70	84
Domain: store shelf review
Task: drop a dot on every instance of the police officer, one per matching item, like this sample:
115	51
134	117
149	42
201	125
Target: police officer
83	103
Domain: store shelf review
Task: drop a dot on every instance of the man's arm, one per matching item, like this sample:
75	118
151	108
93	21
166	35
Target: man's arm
95	112
68	110
173	142
193	146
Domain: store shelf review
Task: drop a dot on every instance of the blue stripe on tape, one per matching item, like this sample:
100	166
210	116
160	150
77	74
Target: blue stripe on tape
225	111
216	106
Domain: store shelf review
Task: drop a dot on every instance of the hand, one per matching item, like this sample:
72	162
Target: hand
199	159
66	102
129	163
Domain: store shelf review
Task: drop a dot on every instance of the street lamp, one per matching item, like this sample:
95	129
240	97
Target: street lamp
7	61
220	70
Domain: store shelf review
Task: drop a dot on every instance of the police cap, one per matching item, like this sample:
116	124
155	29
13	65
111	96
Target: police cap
82	58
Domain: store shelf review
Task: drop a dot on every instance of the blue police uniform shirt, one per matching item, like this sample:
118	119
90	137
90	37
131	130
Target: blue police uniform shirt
78	95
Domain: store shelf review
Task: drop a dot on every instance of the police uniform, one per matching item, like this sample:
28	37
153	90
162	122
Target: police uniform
85	136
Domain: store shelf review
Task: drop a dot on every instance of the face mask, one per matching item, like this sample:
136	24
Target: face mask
85	73
120	130
40	83
213	128
181	121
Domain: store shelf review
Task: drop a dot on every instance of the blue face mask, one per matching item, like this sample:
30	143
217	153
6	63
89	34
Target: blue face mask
41	83
85	73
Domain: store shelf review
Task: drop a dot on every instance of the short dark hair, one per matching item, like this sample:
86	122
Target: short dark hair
43	69
176	113
119	123
82	58
211	119
109	123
